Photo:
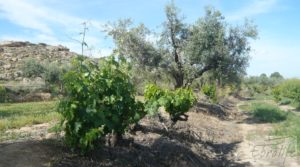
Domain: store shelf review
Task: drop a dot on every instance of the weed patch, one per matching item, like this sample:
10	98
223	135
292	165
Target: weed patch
268	113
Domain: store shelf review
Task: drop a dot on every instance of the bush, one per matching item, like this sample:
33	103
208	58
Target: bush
100	100
285	101
31	68
276	92
53	73
176	103
53	77
210	92
291	89
288	89
3	94
268	113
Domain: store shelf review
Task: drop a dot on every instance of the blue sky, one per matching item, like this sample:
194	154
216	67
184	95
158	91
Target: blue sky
59	22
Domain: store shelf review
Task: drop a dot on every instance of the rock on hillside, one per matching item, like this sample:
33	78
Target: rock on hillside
13	52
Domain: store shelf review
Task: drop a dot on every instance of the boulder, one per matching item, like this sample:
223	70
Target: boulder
7	66
62	48
14	59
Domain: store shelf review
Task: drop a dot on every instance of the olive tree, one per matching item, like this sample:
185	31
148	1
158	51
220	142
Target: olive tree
186	51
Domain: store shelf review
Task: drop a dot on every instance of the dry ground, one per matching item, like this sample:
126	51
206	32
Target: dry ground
257	147
208	138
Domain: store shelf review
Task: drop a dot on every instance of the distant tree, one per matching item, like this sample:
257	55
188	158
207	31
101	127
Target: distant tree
186	52
53	73
32	68
263	75
276	75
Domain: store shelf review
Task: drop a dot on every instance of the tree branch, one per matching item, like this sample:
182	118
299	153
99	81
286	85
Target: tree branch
198	74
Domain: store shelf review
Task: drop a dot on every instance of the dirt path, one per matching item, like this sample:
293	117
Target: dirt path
258	148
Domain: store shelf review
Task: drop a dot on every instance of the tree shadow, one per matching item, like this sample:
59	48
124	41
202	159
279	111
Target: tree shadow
239	97
173	147
211	109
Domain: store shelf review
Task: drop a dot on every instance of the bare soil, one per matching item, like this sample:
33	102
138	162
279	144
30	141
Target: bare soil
207	138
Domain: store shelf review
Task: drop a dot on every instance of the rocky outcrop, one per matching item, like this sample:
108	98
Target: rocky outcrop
12	53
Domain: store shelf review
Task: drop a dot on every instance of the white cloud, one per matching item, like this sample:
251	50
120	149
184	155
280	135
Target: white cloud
24	14
256	7
33	15
50	25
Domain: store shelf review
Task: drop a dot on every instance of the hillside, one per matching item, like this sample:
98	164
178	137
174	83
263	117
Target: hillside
13	53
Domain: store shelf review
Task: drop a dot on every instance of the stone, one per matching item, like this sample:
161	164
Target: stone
62	48
17	74
7	66
7	54
14	59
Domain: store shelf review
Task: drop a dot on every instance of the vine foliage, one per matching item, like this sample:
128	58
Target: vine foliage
175	102
100	99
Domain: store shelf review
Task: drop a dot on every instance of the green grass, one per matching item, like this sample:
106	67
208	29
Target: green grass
296	105
286	124
260	97
290	128
268	113
16	115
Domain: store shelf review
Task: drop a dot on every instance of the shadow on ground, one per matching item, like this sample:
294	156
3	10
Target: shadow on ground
170	149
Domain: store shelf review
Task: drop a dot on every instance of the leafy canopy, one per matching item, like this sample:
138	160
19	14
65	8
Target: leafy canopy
31	68
185	52
288	89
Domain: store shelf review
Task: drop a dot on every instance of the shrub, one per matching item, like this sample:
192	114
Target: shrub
100	100
210	92
176	103
291	89
53	73
31	68
288	89
53	77
276	93
285	101
3	94
268	113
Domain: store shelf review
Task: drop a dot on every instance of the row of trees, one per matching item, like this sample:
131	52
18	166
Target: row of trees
263	83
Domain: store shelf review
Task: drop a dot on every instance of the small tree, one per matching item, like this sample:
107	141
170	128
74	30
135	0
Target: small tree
53	76
53	73
31	68
185	52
